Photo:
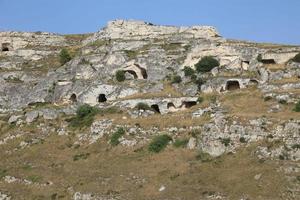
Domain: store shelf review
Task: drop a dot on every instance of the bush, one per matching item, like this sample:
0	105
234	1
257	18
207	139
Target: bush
296	58
243	140
64	56
176	79
159	143
259	58
206	64
142	106
200	99
120	75
225	141
180	143
204	157
297	107
188	71
114	140
84	116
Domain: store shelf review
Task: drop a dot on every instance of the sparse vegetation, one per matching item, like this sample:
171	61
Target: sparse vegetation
188	71
296	58
176	79
206	64
200	99
64	56
84	116
203	157
81	156
259	58
297	107
180	142
225	141
159	143
142	106
120	76
114	140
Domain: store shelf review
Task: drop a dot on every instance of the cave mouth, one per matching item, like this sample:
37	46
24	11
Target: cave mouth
232	85
132	73
102	98
4	47
188	104
170	105
268	61
73	98
155	108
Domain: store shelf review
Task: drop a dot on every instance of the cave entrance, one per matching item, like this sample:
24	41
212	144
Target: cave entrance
232	85
73	98
268	61
155	108
188	104
132	73
170	105
102	98
4	47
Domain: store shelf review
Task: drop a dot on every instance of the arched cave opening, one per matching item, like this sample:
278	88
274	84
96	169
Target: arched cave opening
155	108
170	105
73	98
232	85
4	47
102	98
188	104
143	72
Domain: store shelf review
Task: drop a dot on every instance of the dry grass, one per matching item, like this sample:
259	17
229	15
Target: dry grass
121	172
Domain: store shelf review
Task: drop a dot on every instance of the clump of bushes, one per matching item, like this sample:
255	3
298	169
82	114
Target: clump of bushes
64	56
176	79
142	106
84	116
120	75
296	58
114	140
159	143
188	71
180	142
206	64
297	107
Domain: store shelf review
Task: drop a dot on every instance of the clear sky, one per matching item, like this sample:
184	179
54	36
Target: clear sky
276	21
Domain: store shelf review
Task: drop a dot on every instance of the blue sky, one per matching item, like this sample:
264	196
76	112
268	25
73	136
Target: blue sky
276	21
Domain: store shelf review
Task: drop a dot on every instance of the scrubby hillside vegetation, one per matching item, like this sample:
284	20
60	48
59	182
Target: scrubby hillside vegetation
139	111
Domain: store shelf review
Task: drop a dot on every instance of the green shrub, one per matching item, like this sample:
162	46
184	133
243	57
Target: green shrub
159	143
296	146
297	107
206	64
2	173
84	116
225	141
180	142
282	101
243	140
188	71
176	79
142	106
259	58
296	58
82	156
204	157
114	140
200	99
120	75
64	56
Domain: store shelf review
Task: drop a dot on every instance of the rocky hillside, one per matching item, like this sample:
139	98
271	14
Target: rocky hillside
140	111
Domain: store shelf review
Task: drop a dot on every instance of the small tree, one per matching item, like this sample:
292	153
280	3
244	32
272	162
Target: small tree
64	56
188	71
296	58
120	75
206	64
